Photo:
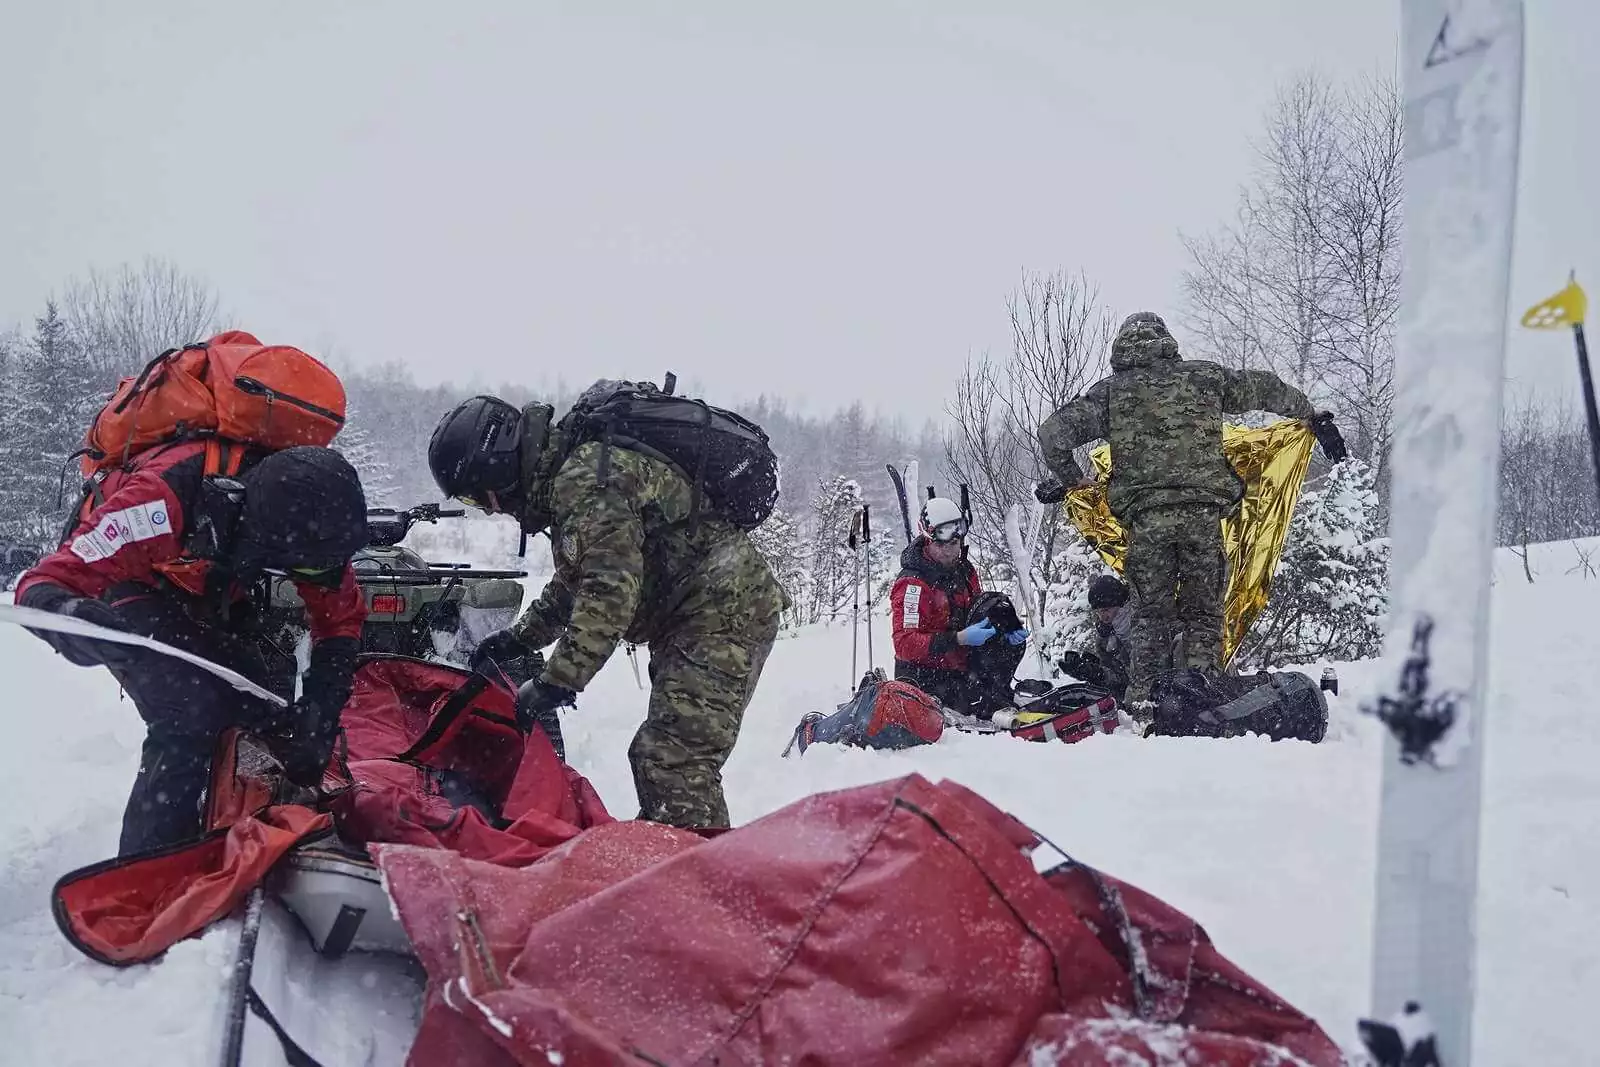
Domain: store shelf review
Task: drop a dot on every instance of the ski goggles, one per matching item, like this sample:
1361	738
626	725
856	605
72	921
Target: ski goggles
946	532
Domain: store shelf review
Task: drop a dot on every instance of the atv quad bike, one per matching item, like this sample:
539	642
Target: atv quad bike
433	611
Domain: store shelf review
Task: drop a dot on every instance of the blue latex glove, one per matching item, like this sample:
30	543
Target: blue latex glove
1017	637
978	633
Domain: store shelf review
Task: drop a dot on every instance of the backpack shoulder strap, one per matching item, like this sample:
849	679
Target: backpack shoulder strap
222	457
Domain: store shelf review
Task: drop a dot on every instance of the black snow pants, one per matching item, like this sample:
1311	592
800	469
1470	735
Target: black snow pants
980	691
184	709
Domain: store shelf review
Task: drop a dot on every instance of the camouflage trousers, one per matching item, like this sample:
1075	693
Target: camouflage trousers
1177	571
701	681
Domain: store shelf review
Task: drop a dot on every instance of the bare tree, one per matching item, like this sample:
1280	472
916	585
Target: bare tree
1306	279
122	319
1060	335
1546	480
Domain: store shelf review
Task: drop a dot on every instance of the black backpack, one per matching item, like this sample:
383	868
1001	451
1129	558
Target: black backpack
1281	705
997	661
725	457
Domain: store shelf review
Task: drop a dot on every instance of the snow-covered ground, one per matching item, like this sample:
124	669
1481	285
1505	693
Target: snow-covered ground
1270	846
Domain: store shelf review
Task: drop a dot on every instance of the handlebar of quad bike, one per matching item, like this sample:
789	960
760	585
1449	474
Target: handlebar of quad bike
386	526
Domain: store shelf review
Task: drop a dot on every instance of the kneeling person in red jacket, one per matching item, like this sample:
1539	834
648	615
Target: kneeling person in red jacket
169	553
930	604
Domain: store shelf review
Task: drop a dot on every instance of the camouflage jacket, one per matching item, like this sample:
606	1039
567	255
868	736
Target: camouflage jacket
627	565
1163	418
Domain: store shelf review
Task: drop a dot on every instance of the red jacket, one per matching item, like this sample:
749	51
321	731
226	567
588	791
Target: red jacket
137	532
928	606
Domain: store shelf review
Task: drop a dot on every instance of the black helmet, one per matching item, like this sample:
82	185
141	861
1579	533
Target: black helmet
304	511
1107	591
476	448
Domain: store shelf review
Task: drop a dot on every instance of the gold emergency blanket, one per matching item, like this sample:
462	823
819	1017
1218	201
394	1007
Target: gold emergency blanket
1272	461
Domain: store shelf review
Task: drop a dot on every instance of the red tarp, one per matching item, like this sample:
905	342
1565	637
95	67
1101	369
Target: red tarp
891	924
408	724
407	721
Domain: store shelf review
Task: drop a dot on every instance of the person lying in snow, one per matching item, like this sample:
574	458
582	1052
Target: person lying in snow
935	637
169	554
1104	662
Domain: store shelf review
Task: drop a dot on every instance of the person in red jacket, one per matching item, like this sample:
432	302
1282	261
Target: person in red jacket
169	553
930	606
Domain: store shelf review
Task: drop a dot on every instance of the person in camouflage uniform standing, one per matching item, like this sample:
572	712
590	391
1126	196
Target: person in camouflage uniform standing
1171	484
630	565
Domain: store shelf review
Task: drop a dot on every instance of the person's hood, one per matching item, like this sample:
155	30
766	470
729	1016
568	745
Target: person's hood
1142	341
303	507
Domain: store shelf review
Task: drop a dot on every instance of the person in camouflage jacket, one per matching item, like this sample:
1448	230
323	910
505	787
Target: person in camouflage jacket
1170	485
629	566
1103	661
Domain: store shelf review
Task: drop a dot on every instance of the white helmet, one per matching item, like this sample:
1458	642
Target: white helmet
942	520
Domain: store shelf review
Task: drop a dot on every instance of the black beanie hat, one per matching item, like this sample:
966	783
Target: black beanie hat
303	507
1107	591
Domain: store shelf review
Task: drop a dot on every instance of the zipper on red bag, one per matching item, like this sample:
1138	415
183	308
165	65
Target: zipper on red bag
256	388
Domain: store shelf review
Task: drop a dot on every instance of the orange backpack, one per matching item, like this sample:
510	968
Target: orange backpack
232	388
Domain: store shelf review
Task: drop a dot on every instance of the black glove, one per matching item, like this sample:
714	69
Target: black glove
538	700
1050	491
302	736
502	646
80	651
1085	667
1328	436
307	729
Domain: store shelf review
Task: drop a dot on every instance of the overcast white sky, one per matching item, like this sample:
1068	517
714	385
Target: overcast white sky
822	200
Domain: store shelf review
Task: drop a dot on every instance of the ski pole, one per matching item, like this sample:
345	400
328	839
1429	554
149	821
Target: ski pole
866	540
1588	400
855	600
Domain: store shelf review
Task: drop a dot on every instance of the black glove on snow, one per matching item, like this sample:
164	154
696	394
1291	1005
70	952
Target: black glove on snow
502	646
80	651
538	699
1328	436
308	728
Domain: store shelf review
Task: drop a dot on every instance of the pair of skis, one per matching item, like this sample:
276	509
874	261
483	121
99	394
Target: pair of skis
901	480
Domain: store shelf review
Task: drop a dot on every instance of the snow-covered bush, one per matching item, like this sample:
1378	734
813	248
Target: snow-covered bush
782	543
1330	592
1067	623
